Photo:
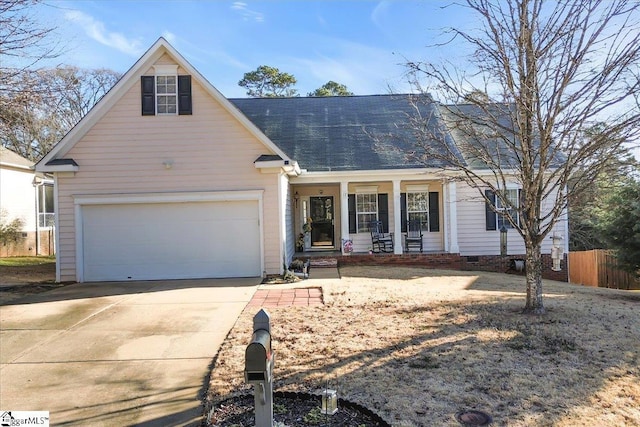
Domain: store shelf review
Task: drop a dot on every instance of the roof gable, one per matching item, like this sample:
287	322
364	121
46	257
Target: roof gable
130	78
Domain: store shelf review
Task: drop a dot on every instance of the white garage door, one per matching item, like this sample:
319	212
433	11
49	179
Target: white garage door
171	241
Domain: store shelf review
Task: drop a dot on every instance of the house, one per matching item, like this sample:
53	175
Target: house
28	197
165	178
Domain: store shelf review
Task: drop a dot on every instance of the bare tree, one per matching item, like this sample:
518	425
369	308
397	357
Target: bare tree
23	40
44	105
551	70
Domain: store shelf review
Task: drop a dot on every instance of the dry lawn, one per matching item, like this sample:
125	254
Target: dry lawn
20	276
417	346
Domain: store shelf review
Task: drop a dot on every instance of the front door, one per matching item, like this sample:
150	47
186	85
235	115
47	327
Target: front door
322	221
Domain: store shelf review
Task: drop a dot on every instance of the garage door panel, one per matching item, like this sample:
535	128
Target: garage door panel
171	241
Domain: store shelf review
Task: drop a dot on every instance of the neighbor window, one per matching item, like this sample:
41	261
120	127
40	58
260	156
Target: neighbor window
366	210
418	208
46	213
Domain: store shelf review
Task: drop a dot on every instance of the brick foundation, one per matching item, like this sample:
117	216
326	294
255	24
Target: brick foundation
494	263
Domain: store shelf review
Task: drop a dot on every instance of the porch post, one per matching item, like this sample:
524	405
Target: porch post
397	218
451	205
344	212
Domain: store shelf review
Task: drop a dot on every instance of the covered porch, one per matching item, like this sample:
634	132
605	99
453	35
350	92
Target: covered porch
329	209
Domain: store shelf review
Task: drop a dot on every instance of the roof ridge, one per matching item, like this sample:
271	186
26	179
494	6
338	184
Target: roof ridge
325	97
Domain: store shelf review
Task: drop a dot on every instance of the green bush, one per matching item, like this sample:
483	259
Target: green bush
10	231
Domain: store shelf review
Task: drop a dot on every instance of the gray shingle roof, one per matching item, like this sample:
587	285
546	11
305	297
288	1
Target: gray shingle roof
62	162
344	133
485	137
268	157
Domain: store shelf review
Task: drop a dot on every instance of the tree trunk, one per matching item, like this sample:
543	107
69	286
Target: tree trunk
534	279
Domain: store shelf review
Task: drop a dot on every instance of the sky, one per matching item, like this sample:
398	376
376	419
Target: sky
362	44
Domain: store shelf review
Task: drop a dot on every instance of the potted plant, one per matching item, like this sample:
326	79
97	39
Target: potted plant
347	246
306	228
300	267
300	243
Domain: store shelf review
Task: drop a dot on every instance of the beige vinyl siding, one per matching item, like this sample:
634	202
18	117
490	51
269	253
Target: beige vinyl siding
210	151
165	60
474	239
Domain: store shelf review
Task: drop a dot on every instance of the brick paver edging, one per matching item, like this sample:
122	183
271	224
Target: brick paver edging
274	298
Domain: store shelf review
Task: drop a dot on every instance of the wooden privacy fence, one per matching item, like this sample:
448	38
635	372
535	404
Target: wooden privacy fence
599	268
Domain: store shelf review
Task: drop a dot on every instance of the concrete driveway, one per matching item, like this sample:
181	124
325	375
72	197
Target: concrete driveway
117	354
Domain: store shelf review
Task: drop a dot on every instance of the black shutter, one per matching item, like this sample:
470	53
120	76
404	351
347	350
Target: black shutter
383	211
490	214
148	89
434	211
352	213
403	212
184	95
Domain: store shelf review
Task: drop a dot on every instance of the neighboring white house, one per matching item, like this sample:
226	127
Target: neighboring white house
26	196
165	178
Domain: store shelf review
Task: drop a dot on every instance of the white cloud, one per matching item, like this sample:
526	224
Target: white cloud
247	14
170	37
97	31
363	69
211	54
380	13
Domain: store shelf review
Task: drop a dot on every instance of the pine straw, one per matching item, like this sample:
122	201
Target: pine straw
417	346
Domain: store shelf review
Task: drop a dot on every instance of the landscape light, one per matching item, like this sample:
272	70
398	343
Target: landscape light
329	402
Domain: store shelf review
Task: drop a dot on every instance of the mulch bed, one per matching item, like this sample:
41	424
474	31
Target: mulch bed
292	409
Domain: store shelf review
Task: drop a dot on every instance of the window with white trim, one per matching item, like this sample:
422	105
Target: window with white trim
418	208
366	210
512	196
167	94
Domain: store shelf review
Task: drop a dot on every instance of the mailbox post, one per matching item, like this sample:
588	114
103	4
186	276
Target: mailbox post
258	368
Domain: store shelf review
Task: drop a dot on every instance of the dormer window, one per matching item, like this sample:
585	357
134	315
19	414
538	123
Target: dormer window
166	93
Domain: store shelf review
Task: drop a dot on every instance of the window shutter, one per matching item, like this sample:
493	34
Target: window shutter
403	212
490	214
184	95
148	89
352	213
434	211
383	211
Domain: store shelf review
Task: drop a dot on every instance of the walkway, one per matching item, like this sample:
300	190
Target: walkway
273	298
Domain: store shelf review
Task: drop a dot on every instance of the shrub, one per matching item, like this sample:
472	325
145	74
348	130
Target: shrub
10	231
